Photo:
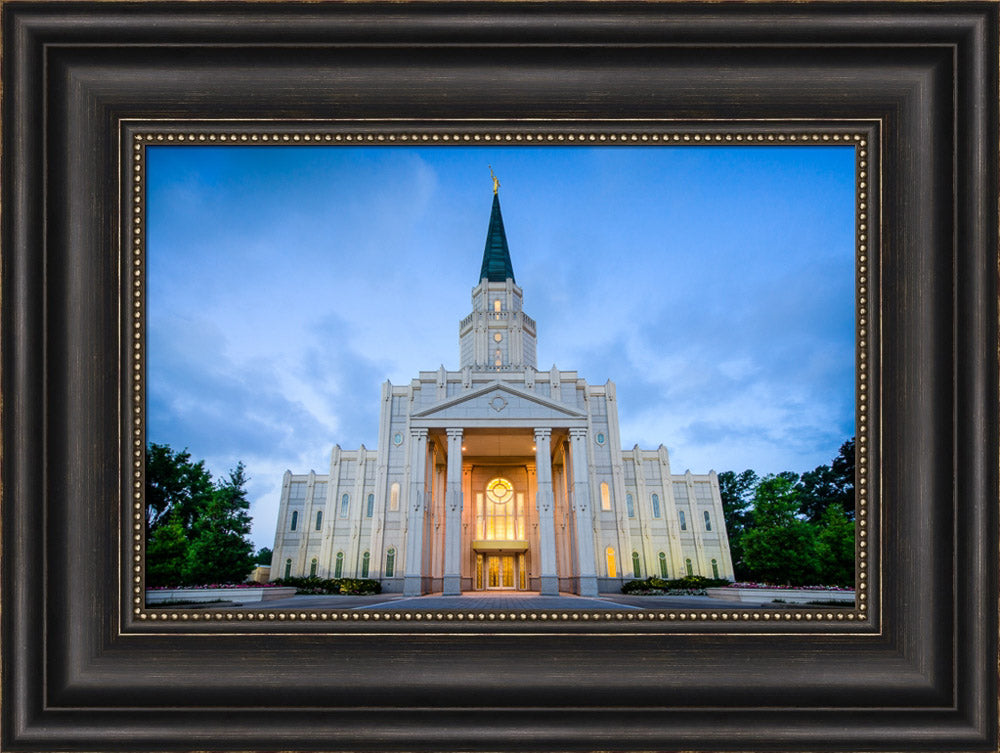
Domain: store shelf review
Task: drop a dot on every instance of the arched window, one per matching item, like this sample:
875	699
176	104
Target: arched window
708	521
371	506
663	565
345	502
605	496
312	567
394	497
496	305
684	523
715	569
288	568
635	565
390	562
656	505
319	520
630	504
687	564
295	519
500	512
338	569
365	561
609	555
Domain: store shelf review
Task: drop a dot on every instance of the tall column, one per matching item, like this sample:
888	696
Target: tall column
698	526
412	580
544	503
586	566
453	516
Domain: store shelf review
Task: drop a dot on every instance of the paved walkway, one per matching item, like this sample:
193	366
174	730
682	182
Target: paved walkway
507	600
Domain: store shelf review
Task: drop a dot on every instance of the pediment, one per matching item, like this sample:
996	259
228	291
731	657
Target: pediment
499	401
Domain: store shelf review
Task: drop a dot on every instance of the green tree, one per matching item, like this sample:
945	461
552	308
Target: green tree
175	487
843	467
829	484
780	547
263	556
166	554
220	551
836	547
737	491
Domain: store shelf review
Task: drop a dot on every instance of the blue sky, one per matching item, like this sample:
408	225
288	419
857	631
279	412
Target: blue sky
713	284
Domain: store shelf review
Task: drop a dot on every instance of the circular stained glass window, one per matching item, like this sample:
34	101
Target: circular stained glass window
498	337
500	491
600	439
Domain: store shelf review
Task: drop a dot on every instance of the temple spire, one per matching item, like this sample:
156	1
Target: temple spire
496	256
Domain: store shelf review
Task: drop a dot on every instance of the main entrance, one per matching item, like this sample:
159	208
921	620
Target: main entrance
498	572
501	545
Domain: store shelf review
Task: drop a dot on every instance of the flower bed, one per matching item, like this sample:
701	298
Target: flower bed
217	585
771	587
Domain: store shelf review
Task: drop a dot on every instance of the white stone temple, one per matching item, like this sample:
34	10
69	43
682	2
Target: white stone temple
500	476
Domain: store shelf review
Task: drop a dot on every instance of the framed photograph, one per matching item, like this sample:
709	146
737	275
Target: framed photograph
129	125
738	337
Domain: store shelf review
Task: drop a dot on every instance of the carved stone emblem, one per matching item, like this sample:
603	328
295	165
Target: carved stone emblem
498	403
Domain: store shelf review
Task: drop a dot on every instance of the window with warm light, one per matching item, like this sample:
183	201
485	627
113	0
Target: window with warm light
394	497
500	512
609	555
605	496
496	305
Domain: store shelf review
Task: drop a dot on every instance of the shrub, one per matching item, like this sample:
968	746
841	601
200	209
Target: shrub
688	585
314	585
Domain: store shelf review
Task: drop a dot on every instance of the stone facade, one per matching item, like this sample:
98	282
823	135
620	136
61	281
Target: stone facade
498	475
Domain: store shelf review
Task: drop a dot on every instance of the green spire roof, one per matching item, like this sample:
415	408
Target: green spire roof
496	256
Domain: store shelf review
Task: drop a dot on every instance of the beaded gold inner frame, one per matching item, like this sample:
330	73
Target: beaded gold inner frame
863	136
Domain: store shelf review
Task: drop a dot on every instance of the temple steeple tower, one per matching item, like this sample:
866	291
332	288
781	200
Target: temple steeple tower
497	335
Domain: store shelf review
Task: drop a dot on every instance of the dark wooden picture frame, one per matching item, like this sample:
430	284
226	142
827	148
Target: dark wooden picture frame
79	673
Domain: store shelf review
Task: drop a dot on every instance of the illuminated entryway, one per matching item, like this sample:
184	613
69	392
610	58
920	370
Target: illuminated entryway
501	543
495	572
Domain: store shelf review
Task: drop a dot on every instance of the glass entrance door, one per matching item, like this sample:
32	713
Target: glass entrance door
500	571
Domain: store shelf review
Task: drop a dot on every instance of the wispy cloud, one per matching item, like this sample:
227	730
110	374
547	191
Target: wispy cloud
713	285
